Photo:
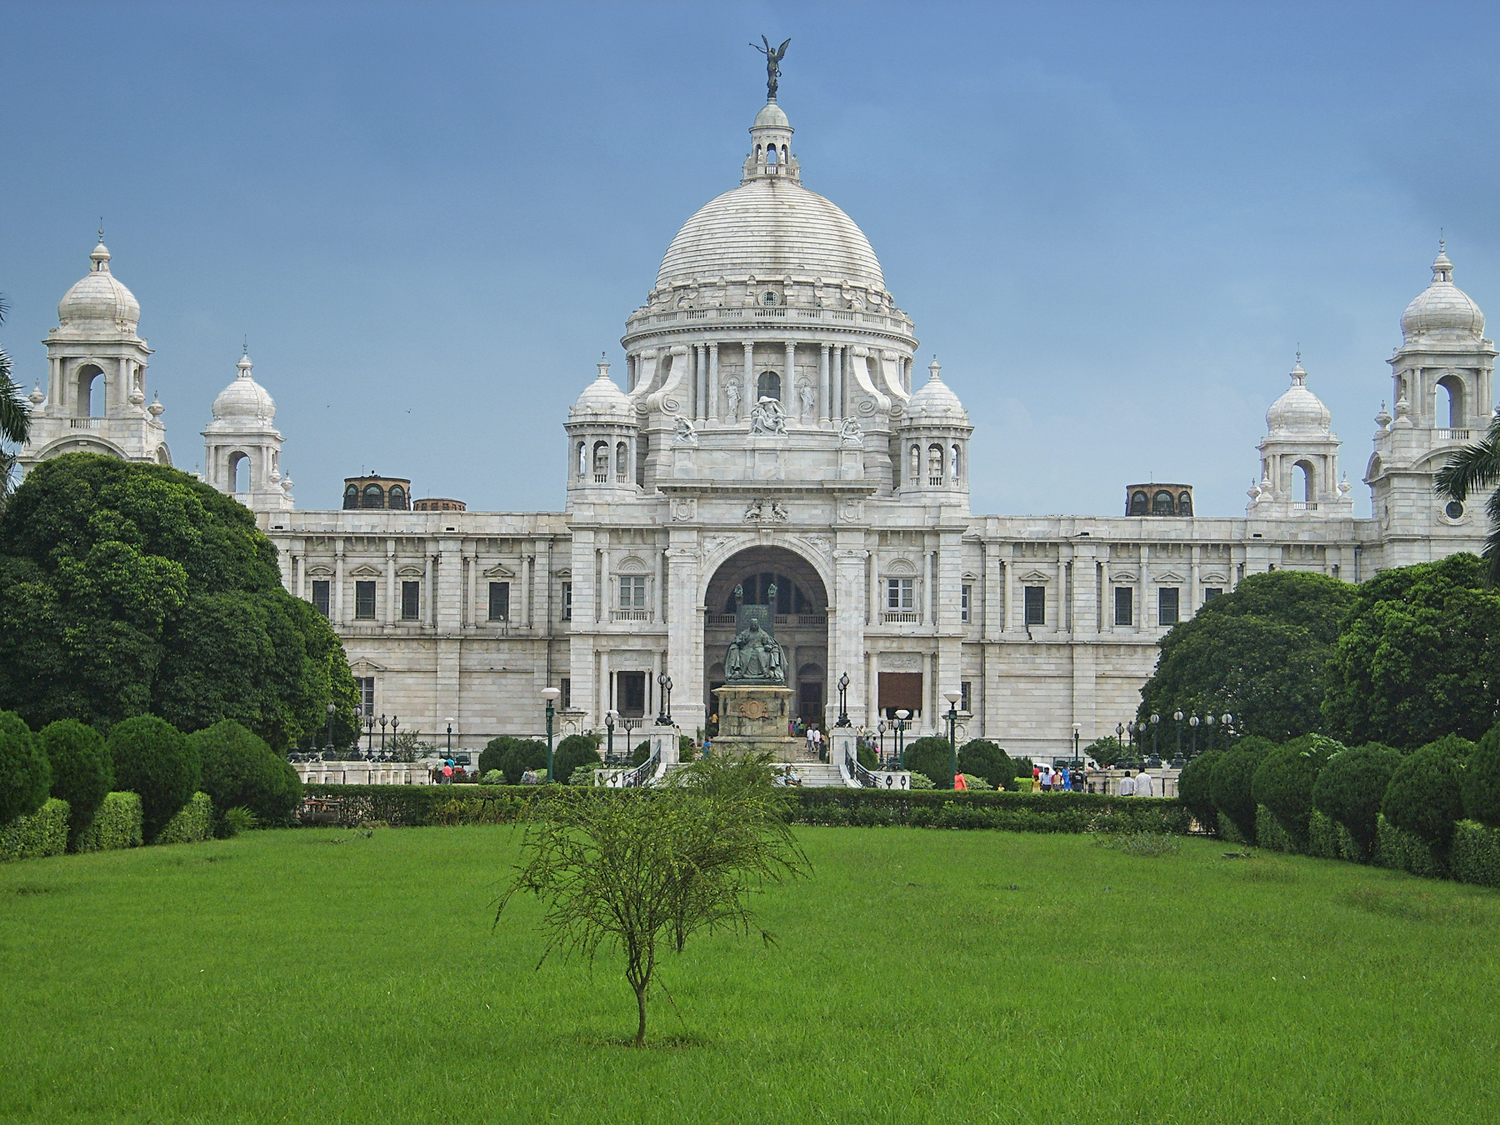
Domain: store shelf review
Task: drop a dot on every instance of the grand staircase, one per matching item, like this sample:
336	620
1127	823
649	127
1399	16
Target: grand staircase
817	775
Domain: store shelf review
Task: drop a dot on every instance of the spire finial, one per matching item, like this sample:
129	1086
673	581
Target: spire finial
774	55
245	347
101	229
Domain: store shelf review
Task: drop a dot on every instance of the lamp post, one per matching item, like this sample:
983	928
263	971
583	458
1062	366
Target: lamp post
1120	734
953	697
370	735
1211	721
330	728
450	736
844	701
901	716
550	694
1193	722
1177	717
1077	728
880	739
1155	720
664	717
1225	719
382	734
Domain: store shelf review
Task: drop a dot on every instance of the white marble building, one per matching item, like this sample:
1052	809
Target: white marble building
772	429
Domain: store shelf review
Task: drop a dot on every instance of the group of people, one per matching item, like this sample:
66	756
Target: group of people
1141	785
798	728
1056	779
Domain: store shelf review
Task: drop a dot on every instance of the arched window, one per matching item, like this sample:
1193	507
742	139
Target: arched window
771	155
769	385
351	497
1184	503
601	462
1309	482
768	297
759	152
396	498
955	465
1138	503
583	460
1162	504
914	472
239	470
92	391
1455	388
783	154
622	461
935	465
374	496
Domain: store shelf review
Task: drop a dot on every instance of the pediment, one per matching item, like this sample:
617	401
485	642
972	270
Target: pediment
319	572
411	572
565	573
632	565
1036	576
1215	577
1122	577
1169	578
499	570
901	566
363	665
365	571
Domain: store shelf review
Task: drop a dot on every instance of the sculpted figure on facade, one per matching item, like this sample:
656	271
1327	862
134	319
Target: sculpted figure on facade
767	417
686	434
850	433
732	401
809	402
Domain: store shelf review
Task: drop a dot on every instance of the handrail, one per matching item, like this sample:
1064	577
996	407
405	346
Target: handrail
870	779
638	777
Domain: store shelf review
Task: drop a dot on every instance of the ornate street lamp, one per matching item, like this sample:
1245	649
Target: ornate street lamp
664	717
609	725
1077	728
370	735
450	736
1226	719
843	701
1193	721
901	716
1155	719
550	694
880	739
953	697
1177	717
1120	734
382	734
330	728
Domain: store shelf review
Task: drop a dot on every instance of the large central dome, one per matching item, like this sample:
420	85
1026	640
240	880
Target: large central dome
770	228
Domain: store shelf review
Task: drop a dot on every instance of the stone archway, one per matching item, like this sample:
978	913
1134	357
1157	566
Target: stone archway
801	621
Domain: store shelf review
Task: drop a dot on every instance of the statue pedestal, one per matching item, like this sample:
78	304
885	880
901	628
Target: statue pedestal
753	719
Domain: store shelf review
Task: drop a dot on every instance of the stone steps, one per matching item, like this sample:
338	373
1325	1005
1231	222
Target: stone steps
818	775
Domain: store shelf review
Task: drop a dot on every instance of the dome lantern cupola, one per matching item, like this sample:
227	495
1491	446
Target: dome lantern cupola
98	299
242	448
603	436
1299	458
934	437
771	148
1442	309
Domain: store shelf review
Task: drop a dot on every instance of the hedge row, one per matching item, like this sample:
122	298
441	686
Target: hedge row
414	805
191	824
117	824
42	833
1475	857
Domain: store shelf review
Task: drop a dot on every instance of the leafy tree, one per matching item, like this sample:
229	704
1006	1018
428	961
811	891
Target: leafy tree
1419	657
1106	751
1423	796
574	751
639	870
934	757
985	759
156	760
1230	784
240	771
1481	782
83	772
1352	786
1283	781
25	774
1257	654
130	589
1474	467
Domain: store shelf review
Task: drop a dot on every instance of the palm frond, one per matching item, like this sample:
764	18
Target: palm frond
1473	467
15	412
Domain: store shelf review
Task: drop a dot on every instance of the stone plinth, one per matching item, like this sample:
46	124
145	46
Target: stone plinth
753	718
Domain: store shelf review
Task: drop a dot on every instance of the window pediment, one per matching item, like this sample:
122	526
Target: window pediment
1169	579
902	567
1122	576
410	572
1215	577
632	564
365	571
499	570
1036	577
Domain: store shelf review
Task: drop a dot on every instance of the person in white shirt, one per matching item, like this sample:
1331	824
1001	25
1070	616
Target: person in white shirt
1127	787
1143	785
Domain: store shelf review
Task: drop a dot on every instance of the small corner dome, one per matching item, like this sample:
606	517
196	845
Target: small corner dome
772	117
603	400
1442	306
934	402
1298	410
98	299
245	400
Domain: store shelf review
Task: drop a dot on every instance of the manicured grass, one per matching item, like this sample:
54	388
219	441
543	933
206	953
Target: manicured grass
322	976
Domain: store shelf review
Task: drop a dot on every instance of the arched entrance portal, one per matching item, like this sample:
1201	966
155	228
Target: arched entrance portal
801	615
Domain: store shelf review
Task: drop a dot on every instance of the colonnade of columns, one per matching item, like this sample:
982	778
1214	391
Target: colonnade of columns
710	403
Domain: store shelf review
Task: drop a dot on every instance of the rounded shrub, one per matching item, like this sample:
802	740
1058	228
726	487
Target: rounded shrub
1481	783
83	773
239	770
521	755
1352	786
1231	781
1283	781
1423	796
155	759
492	757
986	759
933	757
25	774
1194	789
574	751
1023	767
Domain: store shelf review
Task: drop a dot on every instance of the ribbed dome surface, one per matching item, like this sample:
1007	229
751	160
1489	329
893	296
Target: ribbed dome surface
934	402
1298	411
770	228
98	298
245	400
1442	306
602	399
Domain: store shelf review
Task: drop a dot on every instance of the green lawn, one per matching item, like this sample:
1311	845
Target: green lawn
322	976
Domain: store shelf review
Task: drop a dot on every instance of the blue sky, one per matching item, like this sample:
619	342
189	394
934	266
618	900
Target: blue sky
1114	224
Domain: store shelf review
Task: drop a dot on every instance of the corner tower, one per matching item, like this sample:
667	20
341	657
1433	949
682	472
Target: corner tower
242	448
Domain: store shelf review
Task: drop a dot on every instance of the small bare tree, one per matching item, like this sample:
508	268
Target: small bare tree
635	869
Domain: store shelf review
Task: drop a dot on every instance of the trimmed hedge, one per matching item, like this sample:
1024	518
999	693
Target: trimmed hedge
986	759
1475	857
239	770
1481	783
934	757
1194	789
1322	835
83	772
155	759
1283	784
1230	785
574	751
1271	833
414	805
1351	788
25	774
117	824
1401	850
42	833
1423	797
192	824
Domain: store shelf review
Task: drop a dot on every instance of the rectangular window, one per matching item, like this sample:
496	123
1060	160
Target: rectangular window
567	601
1124	605
366	686
965	602
630	694
900	593
566	699
364	601
320	595
1212	592
1036	605
1167	602
411	601
632	591
963	697
499	601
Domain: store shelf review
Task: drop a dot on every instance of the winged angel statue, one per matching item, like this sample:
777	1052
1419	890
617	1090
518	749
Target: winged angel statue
773	65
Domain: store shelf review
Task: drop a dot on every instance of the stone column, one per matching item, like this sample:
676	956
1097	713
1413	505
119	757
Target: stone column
1193	587
713	382
685	659
389	616
789	383
336	610
700	387
474	617
1107	594
748	400
836	380
994	598
846	623
429	586
823	383
1012	619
